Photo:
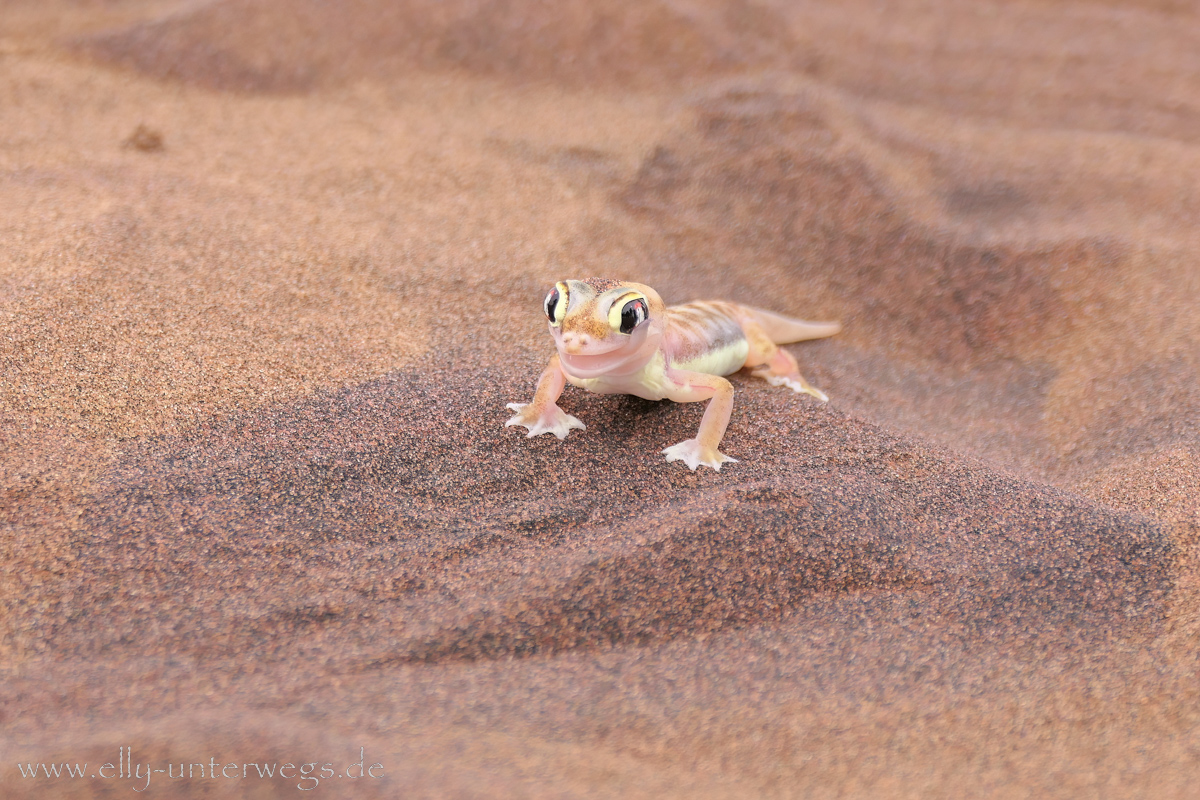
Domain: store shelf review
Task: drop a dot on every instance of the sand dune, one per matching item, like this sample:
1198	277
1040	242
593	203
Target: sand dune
271	270
271	46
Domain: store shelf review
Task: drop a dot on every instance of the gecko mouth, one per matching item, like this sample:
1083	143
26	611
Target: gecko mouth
630	357
592	366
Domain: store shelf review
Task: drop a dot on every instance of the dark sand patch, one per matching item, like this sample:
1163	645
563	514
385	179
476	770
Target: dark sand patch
440	536
271	46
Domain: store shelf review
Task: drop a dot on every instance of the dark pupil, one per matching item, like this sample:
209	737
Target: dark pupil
551	303
632	315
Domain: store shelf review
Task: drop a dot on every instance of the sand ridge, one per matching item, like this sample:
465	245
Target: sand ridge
270	271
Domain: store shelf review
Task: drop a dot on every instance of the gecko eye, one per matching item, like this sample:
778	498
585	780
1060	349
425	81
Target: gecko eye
633	313
555	305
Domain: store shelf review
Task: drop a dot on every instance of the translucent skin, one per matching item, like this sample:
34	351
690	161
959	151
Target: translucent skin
616	355
678	353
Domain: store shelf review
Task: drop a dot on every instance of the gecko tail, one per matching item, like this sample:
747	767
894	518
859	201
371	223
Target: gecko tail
785	330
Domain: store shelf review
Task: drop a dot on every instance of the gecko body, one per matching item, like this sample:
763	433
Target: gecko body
615	337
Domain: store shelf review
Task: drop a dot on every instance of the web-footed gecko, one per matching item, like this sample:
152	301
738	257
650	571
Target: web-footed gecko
613	337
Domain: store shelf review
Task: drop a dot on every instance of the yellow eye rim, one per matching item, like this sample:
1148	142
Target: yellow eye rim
614	311
556	307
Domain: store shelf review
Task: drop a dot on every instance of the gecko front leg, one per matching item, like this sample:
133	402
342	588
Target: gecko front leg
543	415
692	387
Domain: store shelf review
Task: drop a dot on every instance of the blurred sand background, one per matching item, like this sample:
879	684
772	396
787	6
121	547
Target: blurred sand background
270	270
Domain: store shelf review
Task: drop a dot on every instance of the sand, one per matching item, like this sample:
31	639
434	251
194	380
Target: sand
271	269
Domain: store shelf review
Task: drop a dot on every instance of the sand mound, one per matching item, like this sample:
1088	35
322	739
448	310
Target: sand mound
272	271
360	488
283	46
810	199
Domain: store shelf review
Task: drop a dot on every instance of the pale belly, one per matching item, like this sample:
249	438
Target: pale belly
719	361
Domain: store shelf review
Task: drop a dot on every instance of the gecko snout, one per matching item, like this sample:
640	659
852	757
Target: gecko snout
575	341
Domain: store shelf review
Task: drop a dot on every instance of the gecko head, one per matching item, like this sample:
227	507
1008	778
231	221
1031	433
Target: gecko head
601	325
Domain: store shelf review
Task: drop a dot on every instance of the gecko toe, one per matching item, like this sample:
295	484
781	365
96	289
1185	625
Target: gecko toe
796	384
555	421
692	453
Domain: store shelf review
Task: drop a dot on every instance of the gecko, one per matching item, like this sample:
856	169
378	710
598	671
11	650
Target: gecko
616	337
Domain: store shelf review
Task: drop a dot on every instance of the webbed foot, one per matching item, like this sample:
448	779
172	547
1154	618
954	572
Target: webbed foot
552	420
692	453
794	382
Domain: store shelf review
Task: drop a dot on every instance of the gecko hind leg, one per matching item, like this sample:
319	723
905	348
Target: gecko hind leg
775	365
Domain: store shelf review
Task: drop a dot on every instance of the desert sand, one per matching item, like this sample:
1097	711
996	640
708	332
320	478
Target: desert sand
270	271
